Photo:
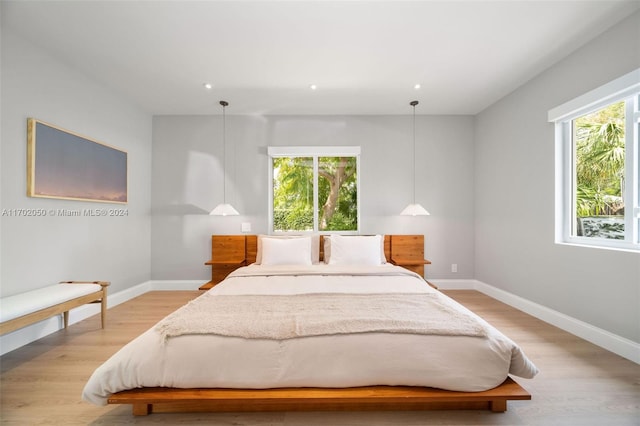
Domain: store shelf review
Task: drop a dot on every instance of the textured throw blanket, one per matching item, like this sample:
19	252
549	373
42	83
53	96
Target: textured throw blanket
280	317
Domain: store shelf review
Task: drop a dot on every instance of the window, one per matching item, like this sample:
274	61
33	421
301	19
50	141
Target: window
597	156
314	189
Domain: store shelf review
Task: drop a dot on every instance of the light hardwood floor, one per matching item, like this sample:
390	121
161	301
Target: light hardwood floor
579	383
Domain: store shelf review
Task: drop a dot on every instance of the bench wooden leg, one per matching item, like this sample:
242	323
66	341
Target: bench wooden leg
65	316
103	311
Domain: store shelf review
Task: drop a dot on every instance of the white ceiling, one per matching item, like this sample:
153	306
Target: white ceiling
261	56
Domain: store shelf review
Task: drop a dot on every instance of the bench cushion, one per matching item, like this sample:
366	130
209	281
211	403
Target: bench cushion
31	301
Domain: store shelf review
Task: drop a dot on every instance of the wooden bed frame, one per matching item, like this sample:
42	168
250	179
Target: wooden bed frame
145	401
230	252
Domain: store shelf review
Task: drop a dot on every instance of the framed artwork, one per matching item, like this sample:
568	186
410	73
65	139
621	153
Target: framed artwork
63	164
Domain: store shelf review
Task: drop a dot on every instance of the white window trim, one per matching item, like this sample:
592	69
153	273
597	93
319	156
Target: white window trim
622	88
313	151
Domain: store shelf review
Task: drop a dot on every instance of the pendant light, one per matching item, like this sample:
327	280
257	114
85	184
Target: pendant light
414	209
224	209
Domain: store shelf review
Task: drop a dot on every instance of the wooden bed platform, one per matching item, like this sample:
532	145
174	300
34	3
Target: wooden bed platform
371	398
230	252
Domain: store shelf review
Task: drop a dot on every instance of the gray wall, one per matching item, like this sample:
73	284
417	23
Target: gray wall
37	251
188	182
514	189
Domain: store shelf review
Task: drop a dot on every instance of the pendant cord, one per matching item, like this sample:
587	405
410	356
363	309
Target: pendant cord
414	103
224	151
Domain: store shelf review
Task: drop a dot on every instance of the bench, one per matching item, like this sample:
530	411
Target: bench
33	306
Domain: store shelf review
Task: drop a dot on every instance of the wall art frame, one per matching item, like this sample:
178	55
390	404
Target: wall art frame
65	165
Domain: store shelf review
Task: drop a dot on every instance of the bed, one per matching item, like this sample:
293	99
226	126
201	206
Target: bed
291	332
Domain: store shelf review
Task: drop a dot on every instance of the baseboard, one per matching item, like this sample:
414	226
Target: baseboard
31	333
619	345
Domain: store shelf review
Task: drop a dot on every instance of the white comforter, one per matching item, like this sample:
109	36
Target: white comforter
461	363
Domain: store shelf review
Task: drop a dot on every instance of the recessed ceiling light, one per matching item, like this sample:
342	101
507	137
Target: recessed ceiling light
313	86
208	86
416	86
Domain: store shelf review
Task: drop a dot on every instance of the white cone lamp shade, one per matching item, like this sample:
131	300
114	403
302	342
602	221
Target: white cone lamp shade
414	209
224	209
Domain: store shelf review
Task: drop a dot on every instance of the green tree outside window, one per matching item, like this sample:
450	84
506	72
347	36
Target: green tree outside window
599	169
293	193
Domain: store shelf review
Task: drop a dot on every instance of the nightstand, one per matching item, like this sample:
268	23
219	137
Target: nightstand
408	251
228	253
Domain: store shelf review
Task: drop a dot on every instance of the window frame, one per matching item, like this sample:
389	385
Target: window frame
625	88
314	152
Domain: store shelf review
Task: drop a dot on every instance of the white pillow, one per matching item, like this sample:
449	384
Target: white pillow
355	250
286	251
327	249
315	245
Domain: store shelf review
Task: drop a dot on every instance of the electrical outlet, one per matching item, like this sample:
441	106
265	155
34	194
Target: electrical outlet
246	226
454	267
